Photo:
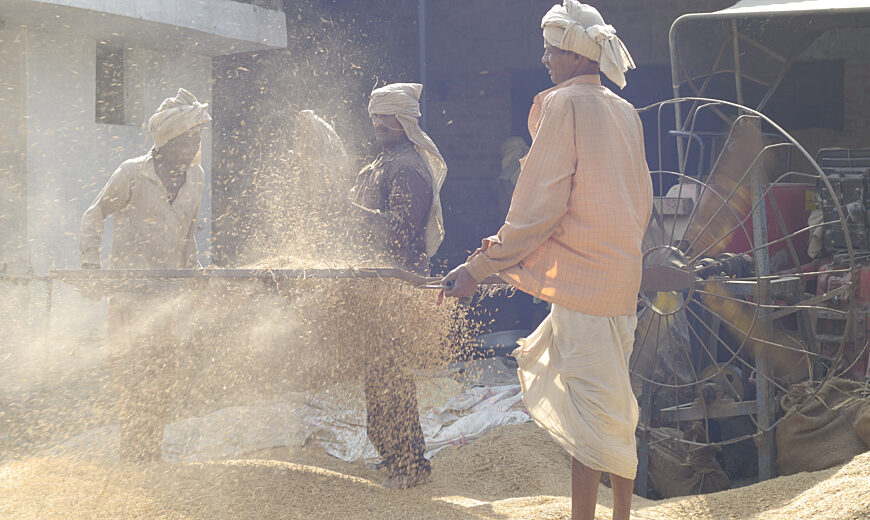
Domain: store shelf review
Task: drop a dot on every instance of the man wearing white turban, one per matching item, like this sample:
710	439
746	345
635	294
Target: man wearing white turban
155	202
397	199
573	237
395	110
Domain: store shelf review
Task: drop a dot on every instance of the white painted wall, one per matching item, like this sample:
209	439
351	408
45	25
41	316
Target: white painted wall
58	159
211	27
13	166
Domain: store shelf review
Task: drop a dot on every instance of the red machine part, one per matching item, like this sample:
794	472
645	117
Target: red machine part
829	327
794	201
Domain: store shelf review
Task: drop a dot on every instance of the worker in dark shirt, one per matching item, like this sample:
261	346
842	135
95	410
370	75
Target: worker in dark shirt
396	197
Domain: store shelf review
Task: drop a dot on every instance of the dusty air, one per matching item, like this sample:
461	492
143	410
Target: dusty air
413	259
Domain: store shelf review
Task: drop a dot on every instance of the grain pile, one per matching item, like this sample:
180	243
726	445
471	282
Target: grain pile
514	472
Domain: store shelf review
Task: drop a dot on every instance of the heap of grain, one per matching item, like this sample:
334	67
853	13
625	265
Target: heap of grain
513	472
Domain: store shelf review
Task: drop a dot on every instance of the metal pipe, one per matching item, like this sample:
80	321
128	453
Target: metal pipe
738	78
421	57
675	83
764	371
135	280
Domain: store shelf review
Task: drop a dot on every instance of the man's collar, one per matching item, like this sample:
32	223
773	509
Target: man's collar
590	79
397	150
149	169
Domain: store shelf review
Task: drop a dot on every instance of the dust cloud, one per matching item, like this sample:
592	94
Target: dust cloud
294	131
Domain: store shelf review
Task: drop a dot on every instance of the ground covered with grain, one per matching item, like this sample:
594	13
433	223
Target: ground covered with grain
514	472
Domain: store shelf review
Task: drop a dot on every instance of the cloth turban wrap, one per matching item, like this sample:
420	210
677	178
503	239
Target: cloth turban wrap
403	101
579	28
177	115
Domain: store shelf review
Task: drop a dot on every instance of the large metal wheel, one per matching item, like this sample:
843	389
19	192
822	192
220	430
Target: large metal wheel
741	296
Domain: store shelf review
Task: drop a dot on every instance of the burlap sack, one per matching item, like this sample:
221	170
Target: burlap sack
862	424
676	470
829	429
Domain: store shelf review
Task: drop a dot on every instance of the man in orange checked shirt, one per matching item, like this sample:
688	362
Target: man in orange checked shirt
573	237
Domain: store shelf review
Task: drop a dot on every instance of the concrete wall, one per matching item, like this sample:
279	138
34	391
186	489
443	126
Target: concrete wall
58	157
211	27
277	5
13	156
66	158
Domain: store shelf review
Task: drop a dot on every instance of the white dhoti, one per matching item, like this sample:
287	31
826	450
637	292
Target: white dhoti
574	374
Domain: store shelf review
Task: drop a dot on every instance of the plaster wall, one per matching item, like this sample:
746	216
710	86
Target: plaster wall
13	156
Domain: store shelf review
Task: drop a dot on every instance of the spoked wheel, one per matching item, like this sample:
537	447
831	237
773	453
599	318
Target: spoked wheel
746	291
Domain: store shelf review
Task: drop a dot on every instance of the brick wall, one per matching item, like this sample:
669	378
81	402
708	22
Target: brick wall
857	96
850	46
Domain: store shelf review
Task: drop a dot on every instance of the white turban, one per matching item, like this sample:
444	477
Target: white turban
579	28
402	101
177	115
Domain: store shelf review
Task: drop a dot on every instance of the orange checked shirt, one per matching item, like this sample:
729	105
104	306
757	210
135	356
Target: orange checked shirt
581	206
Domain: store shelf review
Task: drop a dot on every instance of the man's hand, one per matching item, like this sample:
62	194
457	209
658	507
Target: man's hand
461	284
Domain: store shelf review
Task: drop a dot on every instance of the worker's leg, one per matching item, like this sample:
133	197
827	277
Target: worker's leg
145	376
393	422
126	379
406	441
622	490
584	491
376	411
